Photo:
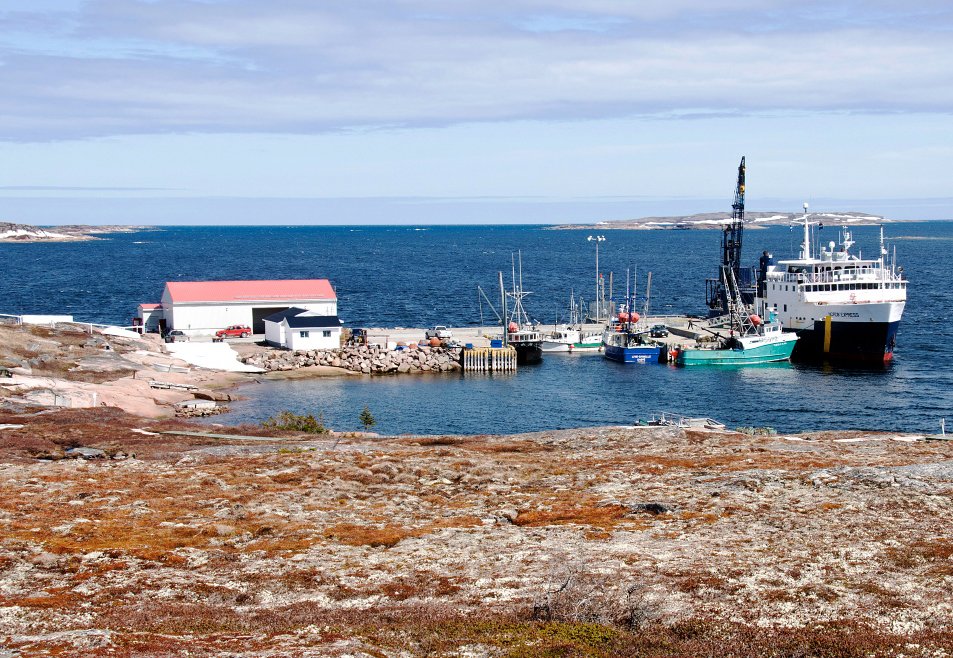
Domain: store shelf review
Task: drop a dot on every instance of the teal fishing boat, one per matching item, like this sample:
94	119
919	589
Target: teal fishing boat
766	344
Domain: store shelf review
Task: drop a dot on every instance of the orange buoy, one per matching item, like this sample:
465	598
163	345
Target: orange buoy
755	319
435	342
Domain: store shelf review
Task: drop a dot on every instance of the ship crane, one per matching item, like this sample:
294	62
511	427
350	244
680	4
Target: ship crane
732	283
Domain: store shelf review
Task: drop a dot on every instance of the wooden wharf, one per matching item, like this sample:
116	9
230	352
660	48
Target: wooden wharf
488	359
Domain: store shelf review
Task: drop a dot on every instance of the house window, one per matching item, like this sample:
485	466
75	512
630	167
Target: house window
327	334
304	334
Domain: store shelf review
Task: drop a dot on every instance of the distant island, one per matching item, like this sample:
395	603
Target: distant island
711	220
10	232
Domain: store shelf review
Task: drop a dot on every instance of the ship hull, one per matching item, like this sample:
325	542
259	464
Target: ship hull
779	350
528	353
556	346
848	342
637	354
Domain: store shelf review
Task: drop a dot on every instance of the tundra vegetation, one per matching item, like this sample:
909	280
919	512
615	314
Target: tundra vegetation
641	541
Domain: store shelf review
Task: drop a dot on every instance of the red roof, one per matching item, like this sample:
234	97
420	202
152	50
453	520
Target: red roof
288	290
150	307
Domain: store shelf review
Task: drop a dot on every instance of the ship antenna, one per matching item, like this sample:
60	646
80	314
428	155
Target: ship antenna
806	252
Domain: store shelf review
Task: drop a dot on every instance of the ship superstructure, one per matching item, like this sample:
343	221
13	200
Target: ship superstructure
843	306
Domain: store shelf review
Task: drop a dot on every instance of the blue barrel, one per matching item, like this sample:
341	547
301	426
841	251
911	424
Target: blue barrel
469	346
496	343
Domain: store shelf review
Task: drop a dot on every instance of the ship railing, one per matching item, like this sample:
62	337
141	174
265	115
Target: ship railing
868	276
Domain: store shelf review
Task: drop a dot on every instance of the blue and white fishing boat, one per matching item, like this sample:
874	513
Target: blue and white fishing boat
626	346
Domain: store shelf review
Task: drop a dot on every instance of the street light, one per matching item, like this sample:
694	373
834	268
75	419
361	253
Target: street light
598	239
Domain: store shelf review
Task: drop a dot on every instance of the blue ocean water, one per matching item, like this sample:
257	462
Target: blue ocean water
418	276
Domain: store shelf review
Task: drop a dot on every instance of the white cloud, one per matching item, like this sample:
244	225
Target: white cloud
114	67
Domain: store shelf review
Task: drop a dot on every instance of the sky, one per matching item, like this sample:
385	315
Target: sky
470	111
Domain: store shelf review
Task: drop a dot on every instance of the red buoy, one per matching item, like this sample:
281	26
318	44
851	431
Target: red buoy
513	327
755	319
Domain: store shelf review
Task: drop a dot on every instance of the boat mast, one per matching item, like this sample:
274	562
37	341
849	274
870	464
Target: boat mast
506	339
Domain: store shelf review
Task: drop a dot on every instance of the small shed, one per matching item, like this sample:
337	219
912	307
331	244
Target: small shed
149	317
274	329
301	329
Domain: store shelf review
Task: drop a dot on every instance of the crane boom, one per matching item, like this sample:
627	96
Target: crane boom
731	243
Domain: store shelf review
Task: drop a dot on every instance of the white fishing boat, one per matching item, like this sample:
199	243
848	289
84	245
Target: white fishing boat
572	337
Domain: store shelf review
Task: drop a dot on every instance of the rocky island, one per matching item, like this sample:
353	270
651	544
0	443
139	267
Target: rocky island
10	232
712	220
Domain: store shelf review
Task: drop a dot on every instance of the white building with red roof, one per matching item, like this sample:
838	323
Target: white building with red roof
204	307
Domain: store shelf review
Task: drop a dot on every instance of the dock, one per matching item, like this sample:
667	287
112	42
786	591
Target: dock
488	359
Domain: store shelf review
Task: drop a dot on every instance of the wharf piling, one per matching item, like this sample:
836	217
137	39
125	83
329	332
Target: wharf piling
488	359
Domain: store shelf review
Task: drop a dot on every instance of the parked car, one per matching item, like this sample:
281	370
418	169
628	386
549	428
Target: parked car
658	331
176	337
234	331
439	331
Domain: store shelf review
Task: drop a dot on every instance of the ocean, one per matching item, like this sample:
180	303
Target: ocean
420	276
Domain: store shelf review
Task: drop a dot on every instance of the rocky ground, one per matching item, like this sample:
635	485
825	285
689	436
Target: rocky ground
75	366
613	541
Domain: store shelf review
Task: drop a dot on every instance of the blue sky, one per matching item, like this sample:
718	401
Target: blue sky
418	111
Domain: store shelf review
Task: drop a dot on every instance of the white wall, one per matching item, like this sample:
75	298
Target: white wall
274	333
196	319
315	339
150	318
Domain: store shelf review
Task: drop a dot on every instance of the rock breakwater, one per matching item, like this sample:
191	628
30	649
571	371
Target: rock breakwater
365	359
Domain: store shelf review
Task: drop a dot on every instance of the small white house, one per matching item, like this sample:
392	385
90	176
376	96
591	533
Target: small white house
274	325
301	329
204	307
148	317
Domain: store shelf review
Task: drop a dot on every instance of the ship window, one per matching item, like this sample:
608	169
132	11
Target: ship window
785	308
827	287
853	286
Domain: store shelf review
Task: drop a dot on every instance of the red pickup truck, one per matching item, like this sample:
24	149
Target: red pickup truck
234	331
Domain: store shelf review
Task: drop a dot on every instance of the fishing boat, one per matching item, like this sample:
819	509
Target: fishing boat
573	337
766	344
750	340
521	334
626	346
527	342
628	341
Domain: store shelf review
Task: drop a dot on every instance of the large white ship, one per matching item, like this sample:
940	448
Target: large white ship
843	307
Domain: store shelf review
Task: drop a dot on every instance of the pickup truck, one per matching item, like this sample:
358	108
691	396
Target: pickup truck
440	332
234	331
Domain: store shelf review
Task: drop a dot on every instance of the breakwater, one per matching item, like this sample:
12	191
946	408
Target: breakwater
365	359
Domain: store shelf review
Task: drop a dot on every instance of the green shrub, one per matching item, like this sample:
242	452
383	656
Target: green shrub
287	420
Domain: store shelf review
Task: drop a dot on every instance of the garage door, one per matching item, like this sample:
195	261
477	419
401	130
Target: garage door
258	316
